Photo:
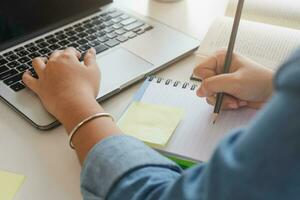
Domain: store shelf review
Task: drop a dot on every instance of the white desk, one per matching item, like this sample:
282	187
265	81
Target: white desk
50	166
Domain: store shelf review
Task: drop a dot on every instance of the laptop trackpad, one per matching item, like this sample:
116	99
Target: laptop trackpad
120	67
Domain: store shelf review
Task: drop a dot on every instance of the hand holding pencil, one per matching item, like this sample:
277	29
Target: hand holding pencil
231	81
248	84
229	55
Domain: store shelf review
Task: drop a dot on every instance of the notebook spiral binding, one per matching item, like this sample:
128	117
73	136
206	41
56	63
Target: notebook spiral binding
184	85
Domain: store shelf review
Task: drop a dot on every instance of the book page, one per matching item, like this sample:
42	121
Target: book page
276	12
266	44
196	136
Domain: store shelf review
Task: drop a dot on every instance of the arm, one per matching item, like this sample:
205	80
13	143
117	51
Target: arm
117	166
68	90
260	162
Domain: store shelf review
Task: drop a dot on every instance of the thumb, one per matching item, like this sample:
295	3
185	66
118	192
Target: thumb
222	83
90	58
30	82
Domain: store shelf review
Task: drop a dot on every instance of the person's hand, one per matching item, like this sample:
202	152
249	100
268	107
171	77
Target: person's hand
68	90
247	84
65	86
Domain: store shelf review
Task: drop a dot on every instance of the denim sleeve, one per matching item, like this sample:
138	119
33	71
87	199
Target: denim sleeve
112	159
259	162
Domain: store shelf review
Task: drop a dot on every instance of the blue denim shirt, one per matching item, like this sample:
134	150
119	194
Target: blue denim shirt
260	162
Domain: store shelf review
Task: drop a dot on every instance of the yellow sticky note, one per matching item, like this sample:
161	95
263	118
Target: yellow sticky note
153	124
9	184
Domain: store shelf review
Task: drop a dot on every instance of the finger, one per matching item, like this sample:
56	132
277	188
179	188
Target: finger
228	103
72	50
55	54
226	83
205	73
256	105
39	65
214	62
30	81
208	66
242	103
90	58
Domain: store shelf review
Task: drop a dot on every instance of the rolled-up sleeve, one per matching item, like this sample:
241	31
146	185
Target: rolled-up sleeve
113	158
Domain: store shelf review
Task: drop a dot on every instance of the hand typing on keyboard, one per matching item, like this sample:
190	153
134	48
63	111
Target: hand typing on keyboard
68	90
102	32
65	85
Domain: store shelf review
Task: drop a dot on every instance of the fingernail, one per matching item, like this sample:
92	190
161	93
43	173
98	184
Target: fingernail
92	51
200	92
233	106
243	103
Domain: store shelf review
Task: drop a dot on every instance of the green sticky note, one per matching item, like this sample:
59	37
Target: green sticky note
9	184
153	124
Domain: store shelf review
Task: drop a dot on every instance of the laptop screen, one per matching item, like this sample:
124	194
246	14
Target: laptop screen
22	18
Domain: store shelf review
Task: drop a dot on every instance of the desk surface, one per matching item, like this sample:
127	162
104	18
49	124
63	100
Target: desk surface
51	168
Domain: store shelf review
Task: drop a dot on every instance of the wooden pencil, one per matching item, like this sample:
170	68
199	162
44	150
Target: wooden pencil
229	54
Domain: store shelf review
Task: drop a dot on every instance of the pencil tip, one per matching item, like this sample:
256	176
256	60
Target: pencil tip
215	116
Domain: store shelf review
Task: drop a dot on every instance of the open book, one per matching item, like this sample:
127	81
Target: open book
268	33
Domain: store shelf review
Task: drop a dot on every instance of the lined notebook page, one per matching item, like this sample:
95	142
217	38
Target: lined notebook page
266	44
195	137
276	12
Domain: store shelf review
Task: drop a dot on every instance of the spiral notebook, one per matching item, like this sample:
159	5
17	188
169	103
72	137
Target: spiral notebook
195	138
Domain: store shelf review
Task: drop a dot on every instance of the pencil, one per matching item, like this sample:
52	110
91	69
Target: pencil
229	54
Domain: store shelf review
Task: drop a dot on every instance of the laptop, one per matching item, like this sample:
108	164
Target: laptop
129	47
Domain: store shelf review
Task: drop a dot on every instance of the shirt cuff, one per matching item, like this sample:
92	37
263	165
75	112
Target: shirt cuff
109	160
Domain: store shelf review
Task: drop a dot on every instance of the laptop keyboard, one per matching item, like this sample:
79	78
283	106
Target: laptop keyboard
104	31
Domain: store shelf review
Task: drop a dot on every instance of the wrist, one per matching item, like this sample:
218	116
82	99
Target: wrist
75	112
